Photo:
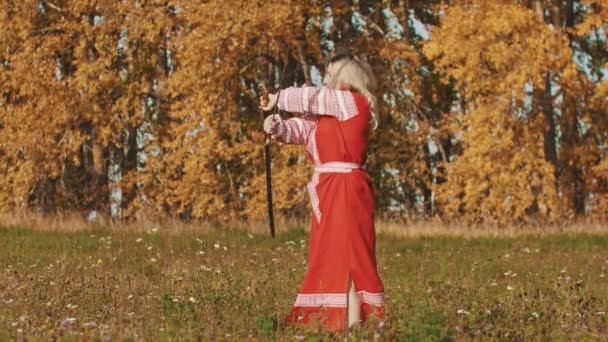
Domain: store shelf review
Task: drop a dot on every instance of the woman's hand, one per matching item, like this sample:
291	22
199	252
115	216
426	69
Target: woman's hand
272	124
268	102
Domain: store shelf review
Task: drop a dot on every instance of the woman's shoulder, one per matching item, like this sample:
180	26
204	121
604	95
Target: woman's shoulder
360	101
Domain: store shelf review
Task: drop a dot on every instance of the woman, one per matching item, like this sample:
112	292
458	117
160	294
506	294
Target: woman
341	286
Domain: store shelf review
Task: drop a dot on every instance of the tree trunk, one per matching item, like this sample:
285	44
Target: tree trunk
572	176
550	143
545	100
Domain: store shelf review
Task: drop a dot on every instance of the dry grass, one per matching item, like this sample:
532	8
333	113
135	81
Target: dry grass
63	278
431	228
463	230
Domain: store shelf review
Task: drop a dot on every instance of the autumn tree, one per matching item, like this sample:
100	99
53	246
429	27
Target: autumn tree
74	78
490	110
524	152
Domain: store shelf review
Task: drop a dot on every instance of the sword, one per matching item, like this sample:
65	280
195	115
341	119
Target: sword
264	92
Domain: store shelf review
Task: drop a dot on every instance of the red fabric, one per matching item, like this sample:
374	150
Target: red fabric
342	244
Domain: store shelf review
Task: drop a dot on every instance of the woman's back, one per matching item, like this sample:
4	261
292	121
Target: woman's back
344	141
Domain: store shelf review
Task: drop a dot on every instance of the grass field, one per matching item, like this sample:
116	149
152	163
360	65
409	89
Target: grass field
221	284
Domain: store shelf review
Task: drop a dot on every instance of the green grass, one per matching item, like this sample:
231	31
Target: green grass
221	284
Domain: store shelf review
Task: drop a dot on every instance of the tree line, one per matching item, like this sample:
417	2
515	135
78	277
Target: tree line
490	111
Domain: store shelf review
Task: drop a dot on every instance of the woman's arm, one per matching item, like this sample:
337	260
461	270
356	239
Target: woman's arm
318	101
291	131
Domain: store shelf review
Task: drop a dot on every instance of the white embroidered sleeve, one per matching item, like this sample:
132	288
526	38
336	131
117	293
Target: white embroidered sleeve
294	130
318	101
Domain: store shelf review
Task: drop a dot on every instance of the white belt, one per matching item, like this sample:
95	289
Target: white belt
336	167
331	167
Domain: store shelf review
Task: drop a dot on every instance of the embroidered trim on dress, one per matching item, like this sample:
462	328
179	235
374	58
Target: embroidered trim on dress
312	185
376	299
315	150
314	197
330	300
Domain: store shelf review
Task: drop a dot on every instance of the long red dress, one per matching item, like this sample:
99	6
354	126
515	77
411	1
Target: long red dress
334	128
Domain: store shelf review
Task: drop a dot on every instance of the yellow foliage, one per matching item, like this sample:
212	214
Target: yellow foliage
502	175
151	106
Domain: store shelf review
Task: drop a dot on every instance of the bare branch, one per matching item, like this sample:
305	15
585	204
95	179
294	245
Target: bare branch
53	6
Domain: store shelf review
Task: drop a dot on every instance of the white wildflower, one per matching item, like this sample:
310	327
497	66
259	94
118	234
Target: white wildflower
69	320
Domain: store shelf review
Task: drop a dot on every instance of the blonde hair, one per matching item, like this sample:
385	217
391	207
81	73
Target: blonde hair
356	74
